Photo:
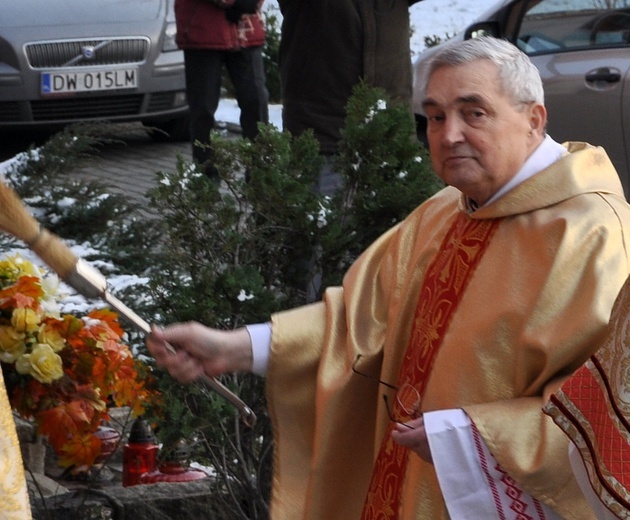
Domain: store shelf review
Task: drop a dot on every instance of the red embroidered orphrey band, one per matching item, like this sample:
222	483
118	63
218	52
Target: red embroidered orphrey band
444	284
604	440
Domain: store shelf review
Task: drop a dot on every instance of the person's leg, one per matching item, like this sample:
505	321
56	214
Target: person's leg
203	88
330	179
258	64
240	67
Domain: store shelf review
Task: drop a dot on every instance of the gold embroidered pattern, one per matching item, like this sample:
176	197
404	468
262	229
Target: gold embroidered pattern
443	287
14	503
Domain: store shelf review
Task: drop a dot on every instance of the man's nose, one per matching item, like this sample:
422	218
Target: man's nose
453	130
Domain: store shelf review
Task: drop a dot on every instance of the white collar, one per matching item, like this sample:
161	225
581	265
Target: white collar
547	153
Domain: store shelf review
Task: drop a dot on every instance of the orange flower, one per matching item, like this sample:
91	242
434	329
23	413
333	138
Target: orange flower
62	371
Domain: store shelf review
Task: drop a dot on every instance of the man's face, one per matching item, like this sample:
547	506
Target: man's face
478	137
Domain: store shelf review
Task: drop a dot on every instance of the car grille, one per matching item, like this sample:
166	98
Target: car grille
9	111
79	53
79	108
88	107
161	101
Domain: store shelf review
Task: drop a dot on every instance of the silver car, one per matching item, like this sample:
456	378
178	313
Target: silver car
582	50
68	61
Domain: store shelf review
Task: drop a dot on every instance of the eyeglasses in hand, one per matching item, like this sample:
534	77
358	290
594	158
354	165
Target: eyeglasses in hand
407	396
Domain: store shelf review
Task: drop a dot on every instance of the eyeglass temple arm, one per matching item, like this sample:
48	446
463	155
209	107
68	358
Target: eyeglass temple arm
371	378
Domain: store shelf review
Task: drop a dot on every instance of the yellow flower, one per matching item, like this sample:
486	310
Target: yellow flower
12	344
50	286
42	363
51	337
25	320
9	270
12	267
26	267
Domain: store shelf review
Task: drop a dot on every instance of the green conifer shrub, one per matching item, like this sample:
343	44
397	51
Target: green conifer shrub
233	254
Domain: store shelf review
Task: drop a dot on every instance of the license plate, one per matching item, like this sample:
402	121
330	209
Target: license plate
88	81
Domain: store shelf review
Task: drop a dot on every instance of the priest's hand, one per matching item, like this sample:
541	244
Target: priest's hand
200	350
413	435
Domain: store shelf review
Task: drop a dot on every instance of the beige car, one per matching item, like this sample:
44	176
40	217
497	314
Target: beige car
582	50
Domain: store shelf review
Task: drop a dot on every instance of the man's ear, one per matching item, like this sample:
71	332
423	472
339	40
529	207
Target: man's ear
537	118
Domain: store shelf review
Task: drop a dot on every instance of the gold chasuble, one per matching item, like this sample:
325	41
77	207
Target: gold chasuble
593	409
14	504
444	284
521	313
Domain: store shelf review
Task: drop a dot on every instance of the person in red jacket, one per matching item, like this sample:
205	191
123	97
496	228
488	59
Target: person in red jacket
213	33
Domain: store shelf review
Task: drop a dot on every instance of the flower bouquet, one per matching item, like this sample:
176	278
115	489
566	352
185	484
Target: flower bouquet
63	371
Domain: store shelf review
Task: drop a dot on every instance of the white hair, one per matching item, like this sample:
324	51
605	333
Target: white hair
520	79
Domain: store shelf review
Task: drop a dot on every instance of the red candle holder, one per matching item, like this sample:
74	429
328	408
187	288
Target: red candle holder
109	442
173	471
175	468
139	454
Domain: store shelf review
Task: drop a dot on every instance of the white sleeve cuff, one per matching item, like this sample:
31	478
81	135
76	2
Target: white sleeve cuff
472	482
260	335
457	465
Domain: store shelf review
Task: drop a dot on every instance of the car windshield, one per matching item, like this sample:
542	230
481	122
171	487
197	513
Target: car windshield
558	25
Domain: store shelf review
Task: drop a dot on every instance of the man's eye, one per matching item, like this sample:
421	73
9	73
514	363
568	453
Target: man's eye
436	118
472	116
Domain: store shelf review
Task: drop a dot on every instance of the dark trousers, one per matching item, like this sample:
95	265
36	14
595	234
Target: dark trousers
203	89
261	84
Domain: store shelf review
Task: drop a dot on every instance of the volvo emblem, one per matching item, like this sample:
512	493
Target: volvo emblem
88	52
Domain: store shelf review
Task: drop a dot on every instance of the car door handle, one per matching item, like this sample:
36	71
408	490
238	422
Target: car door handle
604	74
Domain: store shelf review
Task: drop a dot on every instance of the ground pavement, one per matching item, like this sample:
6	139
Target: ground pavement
129	165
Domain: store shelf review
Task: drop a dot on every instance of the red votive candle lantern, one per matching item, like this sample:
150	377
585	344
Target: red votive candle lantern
139	454
175	468
109	442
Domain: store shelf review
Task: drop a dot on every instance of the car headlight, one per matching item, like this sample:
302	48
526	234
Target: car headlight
170	32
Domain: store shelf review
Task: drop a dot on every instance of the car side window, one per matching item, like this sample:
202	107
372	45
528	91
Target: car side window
558	25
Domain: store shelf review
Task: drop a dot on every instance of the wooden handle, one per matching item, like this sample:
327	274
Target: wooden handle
55	253
17	221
